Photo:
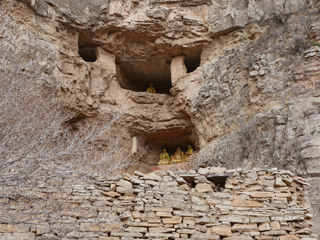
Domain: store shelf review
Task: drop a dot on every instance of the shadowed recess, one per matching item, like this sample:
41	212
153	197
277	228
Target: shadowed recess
192	62
88	53
170	140
87	47
137	74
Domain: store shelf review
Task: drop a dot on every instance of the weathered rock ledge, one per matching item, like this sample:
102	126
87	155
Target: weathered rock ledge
213	203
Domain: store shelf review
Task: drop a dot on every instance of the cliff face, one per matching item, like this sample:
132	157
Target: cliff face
236	79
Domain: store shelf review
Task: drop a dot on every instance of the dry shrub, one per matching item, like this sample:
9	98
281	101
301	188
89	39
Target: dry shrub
41	156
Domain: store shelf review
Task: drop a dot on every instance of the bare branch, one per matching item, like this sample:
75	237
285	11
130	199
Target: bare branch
38	146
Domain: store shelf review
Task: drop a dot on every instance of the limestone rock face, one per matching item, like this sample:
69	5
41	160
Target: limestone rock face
231	80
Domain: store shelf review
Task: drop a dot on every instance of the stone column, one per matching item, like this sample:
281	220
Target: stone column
178	68
107	60
311	156
134	145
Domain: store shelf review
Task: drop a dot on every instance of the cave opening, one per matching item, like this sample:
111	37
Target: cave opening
137	74
192	62
87	47
88	53
170	140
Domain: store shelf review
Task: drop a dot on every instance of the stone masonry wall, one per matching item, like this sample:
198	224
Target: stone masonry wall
261	204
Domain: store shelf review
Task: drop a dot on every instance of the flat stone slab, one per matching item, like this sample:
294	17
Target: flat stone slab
189	177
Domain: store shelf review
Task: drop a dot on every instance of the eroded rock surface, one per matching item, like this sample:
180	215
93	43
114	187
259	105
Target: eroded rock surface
239	80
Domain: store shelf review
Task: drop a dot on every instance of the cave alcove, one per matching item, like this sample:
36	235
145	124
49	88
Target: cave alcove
192	61
87	47
88	53
137	74
171	140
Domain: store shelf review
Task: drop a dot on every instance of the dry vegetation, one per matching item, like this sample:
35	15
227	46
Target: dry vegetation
40	154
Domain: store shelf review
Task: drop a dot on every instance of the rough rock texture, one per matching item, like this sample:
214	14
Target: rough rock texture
259	204
240	97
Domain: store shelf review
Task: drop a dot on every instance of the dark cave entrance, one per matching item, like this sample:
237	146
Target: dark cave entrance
88	53
87	47
137	74
192	61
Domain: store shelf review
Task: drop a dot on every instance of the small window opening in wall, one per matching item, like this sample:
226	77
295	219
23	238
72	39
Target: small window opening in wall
87	47
192	62
219	180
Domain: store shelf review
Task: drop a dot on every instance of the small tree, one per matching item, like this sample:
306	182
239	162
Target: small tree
38	146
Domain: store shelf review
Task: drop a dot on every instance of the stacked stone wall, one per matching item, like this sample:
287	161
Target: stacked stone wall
213	203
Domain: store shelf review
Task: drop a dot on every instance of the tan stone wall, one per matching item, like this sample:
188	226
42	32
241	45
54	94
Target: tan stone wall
260	204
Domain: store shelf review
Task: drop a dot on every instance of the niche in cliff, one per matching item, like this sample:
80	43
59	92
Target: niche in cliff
171	140
193	60
137	74
87	47
140	68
